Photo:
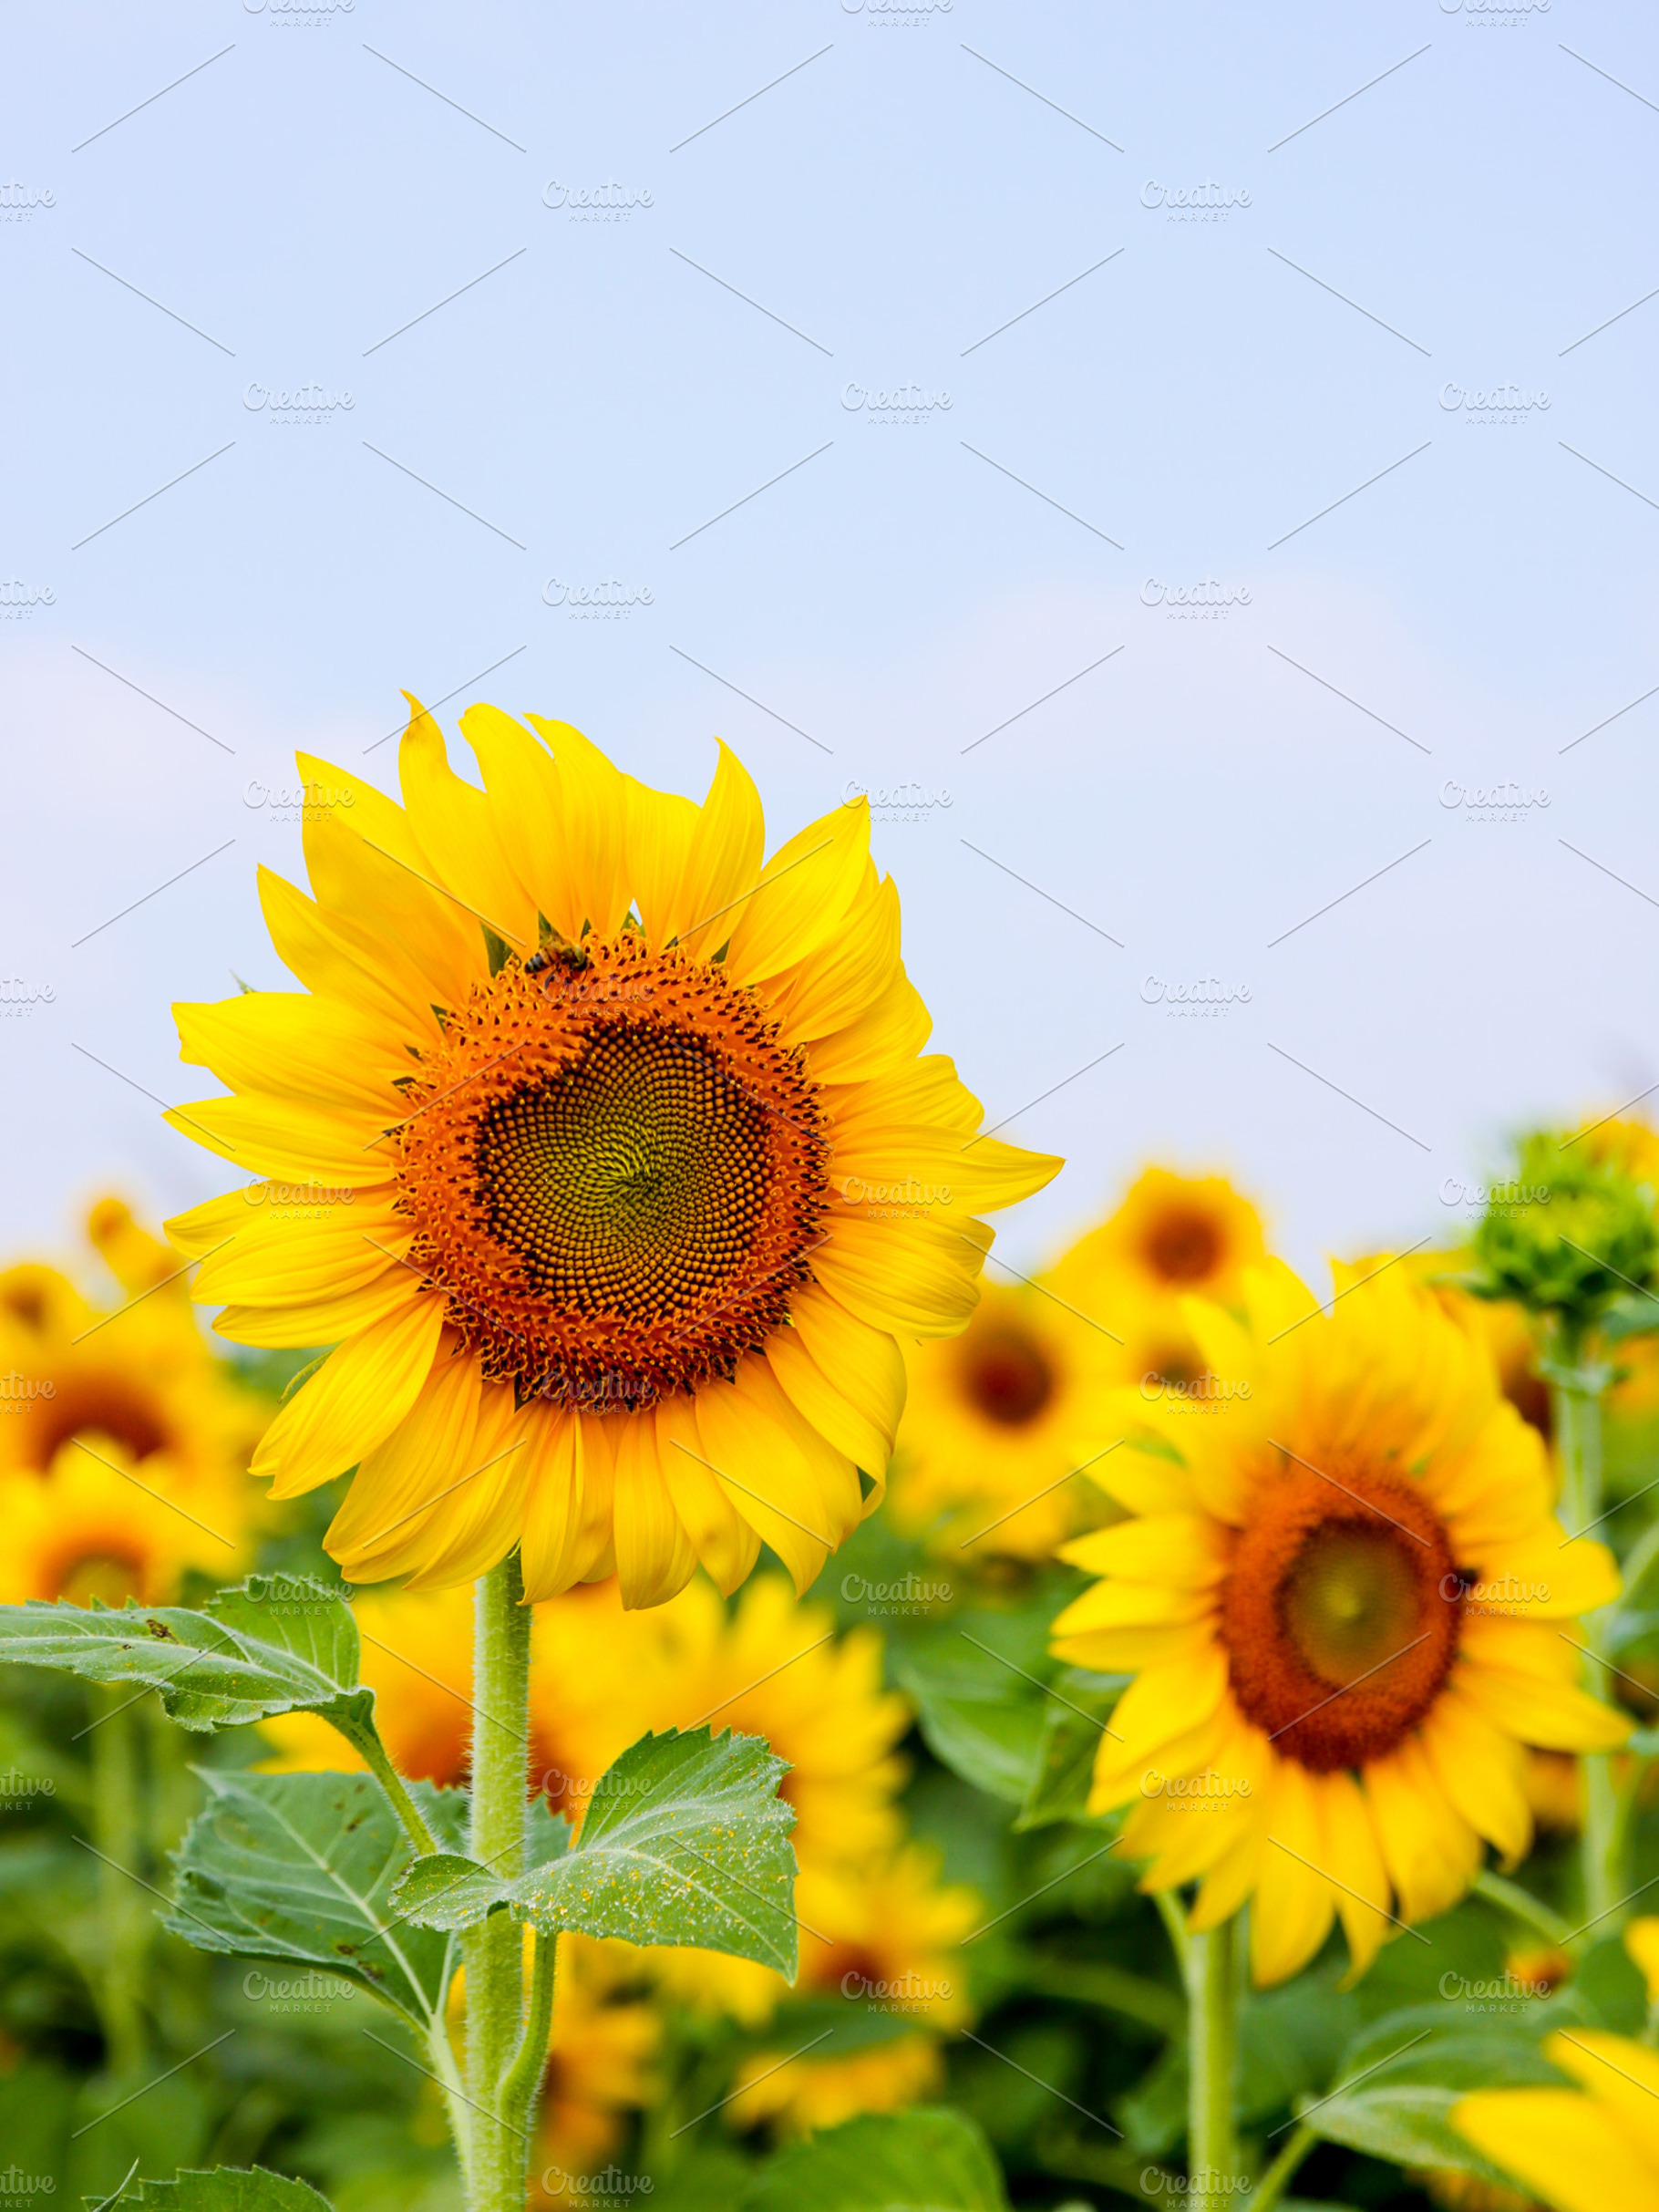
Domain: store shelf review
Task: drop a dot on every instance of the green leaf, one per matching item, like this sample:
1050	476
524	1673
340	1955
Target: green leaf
929	2159
301	1867
275	1644
685	1842
225	2189
1065	1752
980	1713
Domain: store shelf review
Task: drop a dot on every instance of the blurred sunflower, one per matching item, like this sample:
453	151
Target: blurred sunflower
987	1455
599	2066
1345	1606
138	1375
885	1941
91	1528
1582	2149
609	1119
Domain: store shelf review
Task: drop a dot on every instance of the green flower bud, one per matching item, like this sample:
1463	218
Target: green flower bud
1567	1236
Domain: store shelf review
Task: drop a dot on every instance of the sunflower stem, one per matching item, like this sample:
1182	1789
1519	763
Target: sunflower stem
524	2075
494	1953
1212	2149
123	1915
1279	2175
1522	1906
1576	1387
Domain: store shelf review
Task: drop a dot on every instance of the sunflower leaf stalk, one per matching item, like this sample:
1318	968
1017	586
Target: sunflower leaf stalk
1212	2041
494	1952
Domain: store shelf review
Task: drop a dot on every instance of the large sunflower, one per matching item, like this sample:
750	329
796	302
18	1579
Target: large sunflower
624	1174
1349	1608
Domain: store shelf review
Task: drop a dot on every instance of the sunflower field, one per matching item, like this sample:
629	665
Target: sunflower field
639	1660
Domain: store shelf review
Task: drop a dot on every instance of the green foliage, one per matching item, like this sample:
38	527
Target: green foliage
224	2190
1567	1235
1074	1721
685	1841
929	2159
299	1867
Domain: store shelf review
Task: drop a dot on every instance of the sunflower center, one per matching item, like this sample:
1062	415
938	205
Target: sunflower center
1183	1246
106	1404
1339	1613
616	1174
112	1577
1007	1378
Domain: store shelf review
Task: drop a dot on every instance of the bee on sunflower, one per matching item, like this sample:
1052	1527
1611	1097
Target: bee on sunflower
1345	1601
606	1110
986	1459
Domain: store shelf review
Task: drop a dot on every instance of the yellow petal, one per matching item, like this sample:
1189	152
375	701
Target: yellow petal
1294	1905
594	809
331	956
802	896
424	1459
358	1397
654	1557
453	827
1559	2146
298	1046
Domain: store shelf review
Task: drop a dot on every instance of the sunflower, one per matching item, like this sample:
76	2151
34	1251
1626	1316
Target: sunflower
134	1380
885	1941
1172	1237
1582	2149
90	1527
627	1174
1347	1605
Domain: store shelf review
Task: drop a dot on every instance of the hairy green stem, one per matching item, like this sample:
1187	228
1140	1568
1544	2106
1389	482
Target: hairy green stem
1278	2176
1575	1392
124	1914
524	2075
368	1742
1213	2148
494	1953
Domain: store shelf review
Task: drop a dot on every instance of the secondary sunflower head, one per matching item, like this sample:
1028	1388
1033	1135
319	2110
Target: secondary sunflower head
593	1116
615	1174
1344	1599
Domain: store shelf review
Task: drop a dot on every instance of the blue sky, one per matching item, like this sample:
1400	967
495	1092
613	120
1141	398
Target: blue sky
803	206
